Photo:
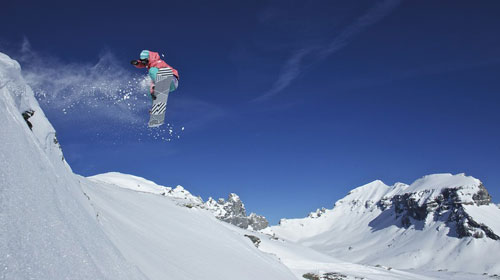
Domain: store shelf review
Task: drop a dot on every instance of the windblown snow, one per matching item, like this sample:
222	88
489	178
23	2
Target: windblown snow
55	224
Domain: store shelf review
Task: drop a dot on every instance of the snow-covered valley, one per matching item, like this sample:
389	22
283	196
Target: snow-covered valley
55	224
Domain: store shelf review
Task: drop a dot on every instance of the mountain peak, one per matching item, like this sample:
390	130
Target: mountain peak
424	189
372	191
233	197
444	180
372	186
430	187
179	188
233	211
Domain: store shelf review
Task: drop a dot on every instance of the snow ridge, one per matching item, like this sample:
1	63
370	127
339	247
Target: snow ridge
231	211
140	184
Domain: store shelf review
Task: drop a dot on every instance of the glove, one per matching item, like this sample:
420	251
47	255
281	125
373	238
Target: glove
134	62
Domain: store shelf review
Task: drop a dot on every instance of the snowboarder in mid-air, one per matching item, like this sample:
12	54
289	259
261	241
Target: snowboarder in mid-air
165	79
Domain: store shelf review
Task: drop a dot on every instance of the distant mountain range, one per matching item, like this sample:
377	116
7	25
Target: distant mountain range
440	221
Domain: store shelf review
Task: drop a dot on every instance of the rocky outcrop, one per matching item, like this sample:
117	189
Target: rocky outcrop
26	115
482	197
329	276
318	213
257	222
467	226
447	207
233	211
255	240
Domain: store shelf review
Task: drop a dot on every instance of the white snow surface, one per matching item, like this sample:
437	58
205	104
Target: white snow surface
170	241
484	213
143	185
373	192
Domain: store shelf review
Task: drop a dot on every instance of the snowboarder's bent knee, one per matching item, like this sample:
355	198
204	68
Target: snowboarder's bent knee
157	69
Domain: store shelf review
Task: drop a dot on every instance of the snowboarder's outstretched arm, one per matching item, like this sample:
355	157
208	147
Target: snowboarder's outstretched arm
138	63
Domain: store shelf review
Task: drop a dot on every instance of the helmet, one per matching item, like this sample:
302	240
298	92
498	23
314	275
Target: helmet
144	54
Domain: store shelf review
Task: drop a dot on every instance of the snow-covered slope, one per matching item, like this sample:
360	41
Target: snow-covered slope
46	227
57	225
440	221
143	185
231	210
169	239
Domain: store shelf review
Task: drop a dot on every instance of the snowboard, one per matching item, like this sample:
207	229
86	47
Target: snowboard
162	88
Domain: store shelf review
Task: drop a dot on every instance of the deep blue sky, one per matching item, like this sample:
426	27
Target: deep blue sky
290	104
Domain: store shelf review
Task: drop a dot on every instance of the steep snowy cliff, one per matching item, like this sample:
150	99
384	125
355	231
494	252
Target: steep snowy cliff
47	226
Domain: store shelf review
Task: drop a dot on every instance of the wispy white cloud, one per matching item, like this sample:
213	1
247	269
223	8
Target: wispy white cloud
101	88
289	72
295	63
91	98
371	17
